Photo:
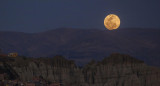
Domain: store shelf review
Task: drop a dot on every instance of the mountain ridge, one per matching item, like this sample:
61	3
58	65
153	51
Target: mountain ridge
85	44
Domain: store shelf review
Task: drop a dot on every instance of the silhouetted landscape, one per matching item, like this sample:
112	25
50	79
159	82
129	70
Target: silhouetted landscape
79	43
83	45
114	70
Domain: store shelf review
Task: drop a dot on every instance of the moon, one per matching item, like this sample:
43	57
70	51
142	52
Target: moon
112	22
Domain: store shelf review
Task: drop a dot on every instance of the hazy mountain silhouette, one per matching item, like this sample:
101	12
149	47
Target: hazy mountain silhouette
85	44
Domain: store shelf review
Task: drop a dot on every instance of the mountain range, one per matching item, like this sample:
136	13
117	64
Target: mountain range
83	45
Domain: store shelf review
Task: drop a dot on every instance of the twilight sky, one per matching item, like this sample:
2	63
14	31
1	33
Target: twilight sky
42	15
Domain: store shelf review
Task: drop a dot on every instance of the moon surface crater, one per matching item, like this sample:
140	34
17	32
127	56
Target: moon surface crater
112	22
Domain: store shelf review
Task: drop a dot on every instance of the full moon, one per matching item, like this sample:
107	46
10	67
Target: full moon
112	22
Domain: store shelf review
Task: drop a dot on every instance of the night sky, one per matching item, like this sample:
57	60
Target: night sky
43	15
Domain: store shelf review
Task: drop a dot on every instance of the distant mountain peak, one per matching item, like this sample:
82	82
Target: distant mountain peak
117	58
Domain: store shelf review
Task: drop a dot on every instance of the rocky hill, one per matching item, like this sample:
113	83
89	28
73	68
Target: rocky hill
83	45
115	70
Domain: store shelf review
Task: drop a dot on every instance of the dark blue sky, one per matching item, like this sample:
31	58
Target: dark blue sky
42	15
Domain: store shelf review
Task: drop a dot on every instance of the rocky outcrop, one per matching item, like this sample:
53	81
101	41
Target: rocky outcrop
121	70
57	69
6	69
115	70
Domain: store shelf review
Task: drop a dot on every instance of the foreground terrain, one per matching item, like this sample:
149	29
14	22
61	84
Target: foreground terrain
115	70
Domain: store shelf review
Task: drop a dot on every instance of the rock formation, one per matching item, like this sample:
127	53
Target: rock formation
115	70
